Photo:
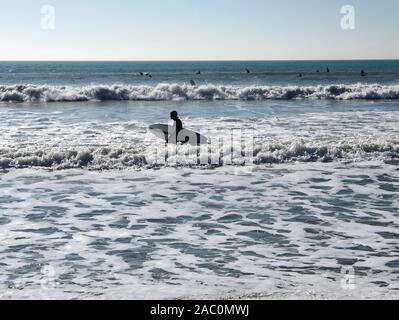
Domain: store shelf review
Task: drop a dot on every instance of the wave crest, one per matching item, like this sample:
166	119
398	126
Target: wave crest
142	157
169	92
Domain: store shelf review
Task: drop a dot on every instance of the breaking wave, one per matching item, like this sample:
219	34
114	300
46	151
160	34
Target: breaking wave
169	92
264	153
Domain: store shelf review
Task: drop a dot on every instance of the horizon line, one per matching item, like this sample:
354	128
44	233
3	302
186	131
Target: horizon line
200	60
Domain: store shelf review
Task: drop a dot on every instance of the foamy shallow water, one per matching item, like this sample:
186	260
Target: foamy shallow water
104	135
85	214
278	232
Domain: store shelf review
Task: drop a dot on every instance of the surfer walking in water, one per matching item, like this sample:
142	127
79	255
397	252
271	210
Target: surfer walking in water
176	128
174	134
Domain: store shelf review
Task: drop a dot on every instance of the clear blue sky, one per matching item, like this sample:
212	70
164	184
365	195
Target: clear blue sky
198	30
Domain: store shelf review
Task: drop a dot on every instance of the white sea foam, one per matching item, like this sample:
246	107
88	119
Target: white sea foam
283	151
31	141
276	232
170	92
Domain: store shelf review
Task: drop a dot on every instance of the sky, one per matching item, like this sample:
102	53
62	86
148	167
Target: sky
198	30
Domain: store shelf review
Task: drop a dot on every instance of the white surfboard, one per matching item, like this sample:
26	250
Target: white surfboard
185	136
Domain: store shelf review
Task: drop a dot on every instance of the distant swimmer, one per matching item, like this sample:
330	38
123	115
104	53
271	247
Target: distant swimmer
148	75
300	75
198	72
192	82
141	73
363	73
318	71
248	71
328	70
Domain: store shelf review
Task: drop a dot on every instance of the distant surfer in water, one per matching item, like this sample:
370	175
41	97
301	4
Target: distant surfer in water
177	127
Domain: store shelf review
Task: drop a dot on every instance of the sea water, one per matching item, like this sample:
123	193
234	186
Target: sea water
87	211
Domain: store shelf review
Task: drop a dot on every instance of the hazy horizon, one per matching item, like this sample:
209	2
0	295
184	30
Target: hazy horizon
222	60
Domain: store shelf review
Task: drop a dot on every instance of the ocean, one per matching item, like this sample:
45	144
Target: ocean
295	196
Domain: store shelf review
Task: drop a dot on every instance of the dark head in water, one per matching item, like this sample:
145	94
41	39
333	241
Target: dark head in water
247	70
174	116
328	70
363	73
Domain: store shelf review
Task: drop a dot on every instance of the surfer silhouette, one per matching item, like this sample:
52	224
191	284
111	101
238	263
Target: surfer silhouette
176	134
177	127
